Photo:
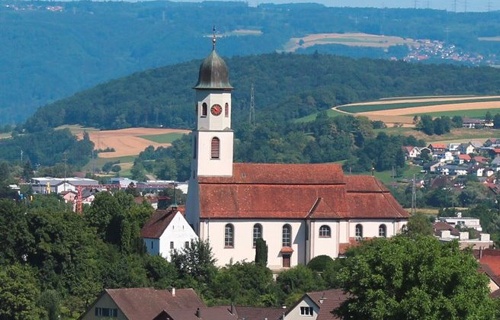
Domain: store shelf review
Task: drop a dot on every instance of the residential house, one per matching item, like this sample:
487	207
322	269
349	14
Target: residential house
142	303
463	158
317	305
467	148
472	123
445	232
465	222
454	170
489	261
495	163
411	152
480	160
437	147
165	231
300	210
453	147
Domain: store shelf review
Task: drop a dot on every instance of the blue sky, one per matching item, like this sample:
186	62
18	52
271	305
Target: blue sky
451	5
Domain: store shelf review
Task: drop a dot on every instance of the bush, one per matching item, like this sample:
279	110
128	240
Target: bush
320	263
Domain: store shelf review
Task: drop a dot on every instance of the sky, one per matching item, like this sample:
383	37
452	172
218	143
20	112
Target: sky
450	5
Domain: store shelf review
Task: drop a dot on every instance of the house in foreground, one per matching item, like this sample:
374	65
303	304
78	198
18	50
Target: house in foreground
180	304
317	305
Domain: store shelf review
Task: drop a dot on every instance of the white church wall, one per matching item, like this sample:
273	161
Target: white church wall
321	245
243	249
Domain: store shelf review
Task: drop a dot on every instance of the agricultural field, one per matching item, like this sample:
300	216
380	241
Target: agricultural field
401	111
348	39
129	142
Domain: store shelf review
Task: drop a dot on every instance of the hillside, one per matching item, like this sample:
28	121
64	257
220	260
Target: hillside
287	86
55	49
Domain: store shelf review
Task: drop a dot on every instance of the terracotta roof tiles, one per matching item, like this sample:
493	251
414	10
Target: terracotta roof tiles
147	303
295	191
157	224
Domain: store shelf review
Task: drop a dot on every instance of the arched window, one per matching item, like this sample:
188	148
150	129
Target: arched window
287	235
382	230
325	232
204	110
359	232
229	236
257	233
215	153
226	110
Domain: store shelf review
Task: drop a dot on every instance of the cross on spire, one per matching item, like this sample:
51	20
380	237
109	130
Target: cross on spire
214	40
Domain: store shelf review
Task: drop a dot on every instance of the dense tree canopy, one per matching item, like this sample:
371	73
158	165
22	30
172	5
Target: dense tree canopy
413	278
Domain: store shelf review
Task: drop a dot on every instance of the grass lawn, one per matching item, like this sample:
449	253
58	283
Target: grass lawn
99	162
312	117
163	138
473	113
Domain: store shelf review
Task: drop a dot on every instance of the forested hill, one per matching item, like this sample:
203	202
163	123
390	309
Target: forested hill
51	50
286	86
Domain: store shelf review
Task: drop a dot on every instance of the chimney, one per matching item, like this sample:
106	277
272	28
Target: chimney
173	292
232	308
322	298
198	313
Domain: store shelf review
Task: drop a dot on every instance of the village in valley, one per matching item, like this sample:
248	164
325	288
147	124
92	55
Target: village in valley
287	185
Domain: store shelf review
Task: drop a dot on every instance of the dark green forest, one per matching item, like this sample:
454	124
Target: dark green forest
287	86
54	49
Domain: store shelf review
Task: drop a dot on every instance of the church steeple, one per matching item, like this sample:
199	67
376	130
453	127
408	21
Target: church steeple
213	136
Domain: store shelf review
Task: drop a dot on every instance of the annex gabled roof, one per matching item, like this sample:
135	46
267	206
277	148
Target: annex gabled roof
295	191
157	224
326	301
147	303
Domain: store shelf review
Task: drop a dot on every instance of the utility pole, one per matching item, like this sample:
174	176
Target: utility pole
251	117
413	197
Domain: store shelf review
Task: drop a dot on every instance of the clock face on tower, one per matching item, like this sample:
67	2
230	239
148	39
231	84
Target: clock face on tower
216	109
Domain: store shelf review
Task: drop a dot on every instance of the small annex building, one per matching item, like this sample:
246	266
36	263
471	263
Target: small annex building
165	231
300	210
318	305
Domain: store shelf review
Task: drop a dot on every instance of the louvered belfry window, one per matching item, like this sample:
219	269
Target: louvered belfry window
215	153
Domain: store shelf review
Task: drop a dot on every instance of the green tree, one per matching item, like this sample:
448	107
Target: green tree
261	252
418	225
195	264
413	278
19	292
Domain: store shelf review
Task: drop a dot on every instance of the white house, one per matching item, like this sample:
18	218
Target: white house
165	231
316	305
300	210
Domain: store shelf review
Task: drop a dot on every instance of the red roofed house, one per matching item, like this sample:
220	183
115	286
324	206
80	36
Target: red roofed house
317	305
300	210
167	230
141	303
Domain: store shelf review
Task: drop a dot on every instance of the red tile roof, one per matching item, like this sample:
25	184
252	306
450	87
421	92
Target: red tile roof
255	313
147	303
157	224
464	157
327	301
295	191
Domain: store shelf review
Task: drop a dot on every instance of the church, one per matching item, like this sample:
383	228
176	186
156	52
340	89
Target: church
300	210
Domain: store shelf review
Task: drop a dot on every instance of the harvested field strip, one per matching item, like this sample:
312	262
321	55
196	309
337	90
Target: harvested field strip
473	113
163	138
427	97
404	105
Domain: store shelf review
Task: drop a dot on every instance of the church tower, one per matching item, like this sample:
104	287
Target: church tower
213	137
